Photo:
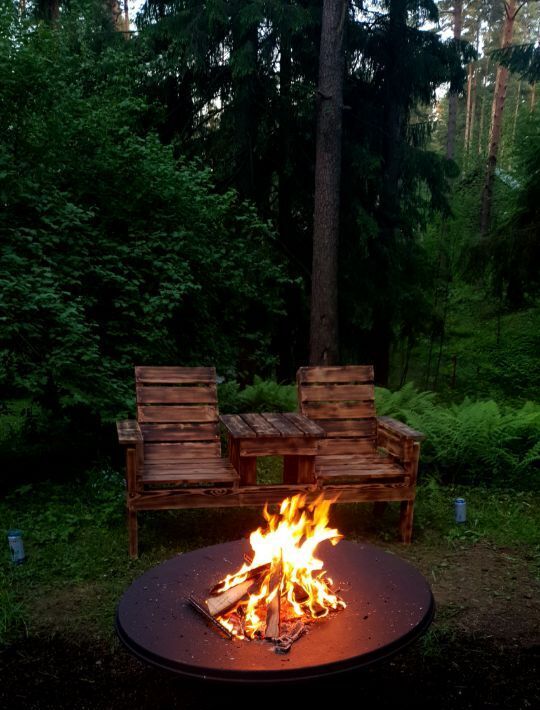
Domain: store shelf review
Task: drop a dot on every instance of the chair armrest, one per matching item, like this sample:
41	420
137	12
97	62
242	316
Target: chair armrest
399	440
399	429
129	432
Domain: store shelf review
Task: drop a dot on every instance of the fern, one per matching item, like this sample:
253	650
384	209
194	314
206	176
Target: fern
474	441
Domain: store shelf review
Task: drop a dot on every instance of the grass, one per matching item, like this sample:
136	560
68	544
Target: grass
76	541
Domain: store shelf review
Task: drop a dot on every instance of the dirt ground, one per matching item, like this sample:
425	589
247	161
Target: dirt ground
483	651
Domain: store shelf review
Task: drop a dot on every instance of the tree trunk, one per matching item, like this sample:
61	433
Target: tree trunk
482	113
468	112
514	126
533	97
116	15
453	97
245	43
389	212
324	301
284	175
497	110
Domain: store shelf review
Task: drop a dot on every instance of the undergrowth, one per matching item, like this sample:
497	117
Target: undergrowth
473	441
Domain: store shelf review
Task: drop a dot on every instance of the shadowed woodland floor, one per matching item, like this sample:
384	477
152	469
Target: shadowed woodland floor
482	651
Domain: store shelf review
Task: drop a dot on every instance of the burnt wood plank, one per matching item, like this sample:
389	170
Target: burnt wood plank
260	425
346	445
128	431
176	413
181	450
306	425
227	497
338	410
354	460
350	427
278	446
173	375
175	477
337	393
347	373
400	429
180	431
205	394
284	425
236	426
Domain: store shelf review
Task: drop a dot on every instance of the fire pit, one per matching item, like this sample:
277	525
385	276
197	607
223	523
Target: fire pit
371	605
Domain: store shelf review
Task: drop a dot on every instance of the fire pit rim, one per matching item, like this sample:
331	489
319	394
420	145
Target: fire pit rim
280	674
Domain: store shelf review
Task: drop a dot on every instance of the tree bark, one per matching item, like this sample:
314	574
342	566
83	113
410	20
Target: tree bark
284	175
246	111
396	109
324	288
470	75
501	84
453	97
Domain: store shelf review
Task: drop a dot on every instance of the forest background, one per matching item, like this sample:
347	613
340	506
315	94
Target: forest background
157	180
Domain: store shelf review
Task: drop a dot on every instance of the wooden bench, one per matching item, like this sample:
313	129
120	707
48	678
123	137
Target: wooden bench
375	457
174	447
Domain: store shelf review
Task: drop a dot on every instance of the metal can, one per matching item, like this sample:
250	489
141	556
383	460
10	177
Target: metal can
460	510
16	546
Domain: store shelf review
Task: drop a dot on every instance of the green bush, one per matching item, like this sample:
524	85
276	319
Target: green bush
114	252
478	441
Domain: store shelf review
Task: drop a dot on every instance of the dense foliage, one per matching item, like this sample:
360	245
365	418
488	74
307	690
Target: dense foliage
114	252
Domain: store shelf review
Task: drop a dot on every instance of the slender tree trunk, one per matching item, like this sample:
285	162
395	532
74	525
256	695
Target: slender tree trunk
533	97
514	125
245	42
126	17
482	114
468	112
497	110
389	212
324	301
284	174
453	97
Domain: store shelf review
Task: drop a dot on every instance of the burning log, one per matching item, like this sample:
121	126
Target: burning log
228	599
202	611
277	599
273	608
248	574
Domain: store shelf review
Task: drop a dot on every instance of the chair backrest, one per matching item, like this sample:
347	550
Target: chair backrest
177	412
342	401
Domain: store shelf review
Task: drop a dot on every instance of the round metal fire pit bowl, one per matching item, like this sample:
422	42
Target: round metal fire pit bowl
389	605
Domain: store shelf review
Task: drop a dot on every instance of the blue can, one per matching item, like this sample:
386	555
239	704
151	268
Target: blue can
460	510
16	546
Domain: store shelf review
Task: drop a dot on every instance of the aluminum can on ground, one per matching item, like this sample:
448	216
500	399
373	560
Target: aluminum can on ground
16	546
460	510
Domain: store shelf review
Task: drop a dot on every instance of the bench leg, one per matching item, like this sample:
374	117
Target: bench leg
406	520
133	532
247	469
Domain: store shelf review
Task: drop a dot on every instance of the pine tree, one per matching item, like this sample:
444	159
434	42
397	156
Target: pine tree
324	276
511	10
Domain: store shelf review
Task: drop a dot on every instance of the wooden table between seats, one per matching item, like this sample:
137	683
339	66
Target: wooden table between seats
291	435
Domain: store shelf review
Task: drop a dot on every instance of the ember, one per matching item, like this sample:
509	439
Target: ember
283	585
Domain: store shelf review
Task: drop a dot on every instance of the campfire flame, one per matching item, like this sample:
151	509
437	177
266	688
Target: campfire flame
285	548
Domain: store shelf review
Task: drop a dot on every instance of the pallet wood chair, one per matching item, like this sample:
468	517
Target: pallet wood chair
173	448
376	456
